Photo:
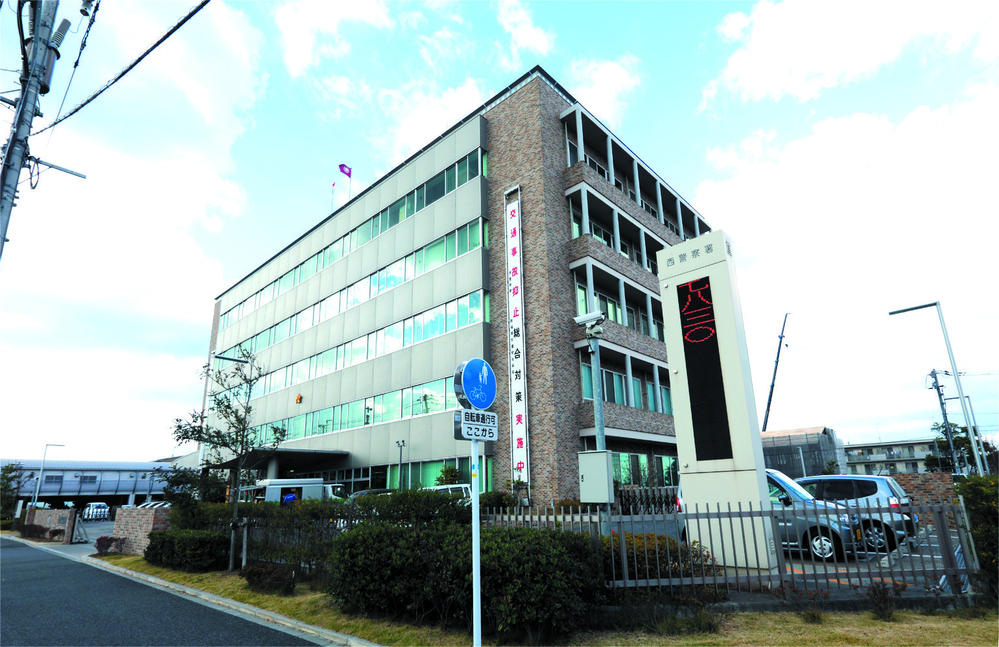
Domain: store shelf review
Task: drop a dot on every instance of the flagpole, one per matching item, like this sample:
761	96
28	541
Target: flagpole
349	178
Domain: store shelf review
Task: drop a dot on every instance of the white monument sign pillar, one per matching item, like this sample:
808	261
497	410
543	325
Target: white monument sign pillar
719	452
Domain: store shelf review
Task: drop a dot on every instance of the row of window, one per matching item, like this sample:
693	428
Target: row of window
466	311
615	384
435	188
635	469
638	320
431	397
466	238
629	250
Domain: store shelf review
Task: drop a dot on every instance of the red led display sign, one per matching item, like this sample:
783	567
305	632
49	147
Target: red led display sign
709	415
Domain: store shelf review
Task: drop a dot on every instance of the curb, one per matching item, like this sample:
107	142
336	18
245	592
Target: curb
324	636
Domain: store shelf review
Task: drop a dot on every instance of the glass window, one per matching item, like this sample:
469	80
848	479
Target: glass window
407	332
435	188
262	340
485	164
330	306
376	225
434	396
397	211
282	330
372	345
838	490
420	268
462	240
286	282
451	318
463	311
473	164
410	204
485	307
473	234
462	171
327	362
336	418
435	254
369	411
392	406
355	414
301	372
308	267
650	395
363	235
385	220
421	197
474	307
297	427
580	299
411	267
358	351
586	376
418	328
395	274
304	319
636	391
407	403
357	293
373	287
450	399
449	243
449	176
336	249
321	421
434	322
393	338
667	403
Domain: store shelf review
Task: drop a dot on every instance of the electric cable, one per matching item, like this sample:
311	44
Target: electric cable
20	34
76	64
128	69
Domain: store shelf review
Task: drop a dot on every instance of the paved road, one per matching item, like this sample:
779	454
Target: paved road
49	600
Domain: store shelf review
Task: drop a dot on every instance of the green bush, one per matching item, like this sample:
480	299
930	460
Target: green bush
415	507
496	499
980	499
6	524
655	556
536	584
188	550
270	578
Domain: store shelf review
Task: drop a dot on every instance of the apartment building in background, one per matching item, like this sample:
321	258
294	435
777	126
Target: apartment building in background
894	456
485	243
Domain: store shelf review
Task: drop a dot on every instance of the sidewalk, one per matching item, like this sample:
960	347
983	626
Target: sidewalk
82	553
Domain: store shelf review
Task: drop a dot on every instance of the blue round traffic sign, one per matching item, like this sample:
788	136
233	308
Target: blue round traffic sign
475	384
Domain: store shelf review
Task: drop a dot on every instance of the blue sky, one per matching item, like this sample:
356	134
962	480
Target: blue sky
850	158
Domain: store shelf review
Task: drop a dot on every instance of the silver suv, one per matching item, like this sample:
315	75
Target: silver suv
882	530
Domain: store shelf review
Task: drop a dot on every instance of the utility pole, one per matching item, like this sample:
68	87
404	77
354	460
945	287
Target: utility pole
780	343
943	410
41	57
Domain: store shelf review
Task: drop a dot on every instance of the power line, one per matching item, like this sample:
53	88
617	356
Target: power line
128	69
83	44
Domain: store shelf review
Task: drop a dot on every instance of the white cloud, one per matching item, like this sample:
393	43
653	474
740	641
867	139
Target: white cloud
419	111
862	216
799	48
311	29
525	36
603	86
443	45
342	96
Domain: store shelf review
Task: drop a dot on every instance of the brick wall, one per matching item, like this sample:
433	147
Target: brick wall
134	525
927	487
54	520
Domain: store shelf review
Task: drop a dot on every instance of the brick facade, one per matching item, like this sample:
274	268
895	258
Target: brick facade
526	148
134	525
927	487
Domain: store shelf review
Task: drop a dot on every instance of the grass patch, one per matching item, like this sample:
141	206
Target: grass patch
787	628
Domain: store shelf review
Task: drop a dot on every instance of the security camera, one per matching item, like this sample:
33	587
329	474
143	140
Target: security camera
590	318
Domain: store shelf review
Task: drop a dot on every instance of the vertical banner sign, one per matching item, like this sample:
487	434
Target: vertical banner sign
709	415
519	454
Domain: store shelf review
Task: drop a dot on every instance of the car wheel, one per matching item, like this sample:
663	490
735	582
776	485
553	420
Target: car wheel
878	537
823	545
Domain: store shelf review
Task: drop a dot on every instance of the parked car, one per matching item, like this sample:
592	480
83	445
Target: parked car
372	492
463	490
882	530
826	530
96	511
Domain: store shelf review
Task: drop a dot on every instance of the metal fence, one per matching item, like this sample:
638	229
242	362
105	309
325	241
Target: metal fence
811	549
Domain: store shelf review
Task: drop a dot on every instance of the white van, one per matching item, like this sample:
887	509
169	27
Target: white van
97	511
458	489
275	490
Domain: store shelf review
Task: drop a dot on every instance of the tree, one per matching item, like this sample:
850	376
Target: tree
12	479
832	467
450	475
941	461
225	430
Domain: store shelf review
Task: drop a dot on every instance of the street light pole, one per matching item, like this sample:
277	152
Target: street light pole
975	435
41	473
593	333
400	444
953	367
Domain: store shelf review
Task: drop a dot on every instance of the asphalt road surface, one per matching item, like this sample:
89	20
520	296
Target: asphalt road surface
49	600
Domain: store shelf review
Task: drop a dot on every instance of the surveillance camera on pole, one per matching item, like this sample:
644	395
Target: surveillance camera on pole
590	318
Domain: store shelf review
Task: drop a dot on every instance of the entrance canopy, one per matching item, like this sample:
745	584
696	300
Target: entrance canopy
290	460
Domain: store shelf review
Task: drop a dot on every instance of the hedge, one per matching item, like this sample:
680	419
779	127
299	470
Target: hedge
655	556
188	550
980	499
536	584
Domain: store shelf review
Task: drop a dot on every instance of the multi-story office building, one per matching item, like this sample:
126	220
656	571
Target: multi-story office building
485	243
894	456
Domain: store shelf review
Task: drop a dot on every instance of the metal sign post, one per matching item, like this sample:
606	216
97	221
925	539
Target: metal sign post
475	386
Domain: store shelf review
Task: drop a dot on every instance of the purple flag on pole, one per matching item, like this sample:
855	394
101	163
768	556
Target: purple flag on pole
345	169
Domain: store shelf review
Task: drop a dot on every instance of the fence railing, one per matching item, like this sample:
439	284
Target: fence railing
813	549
